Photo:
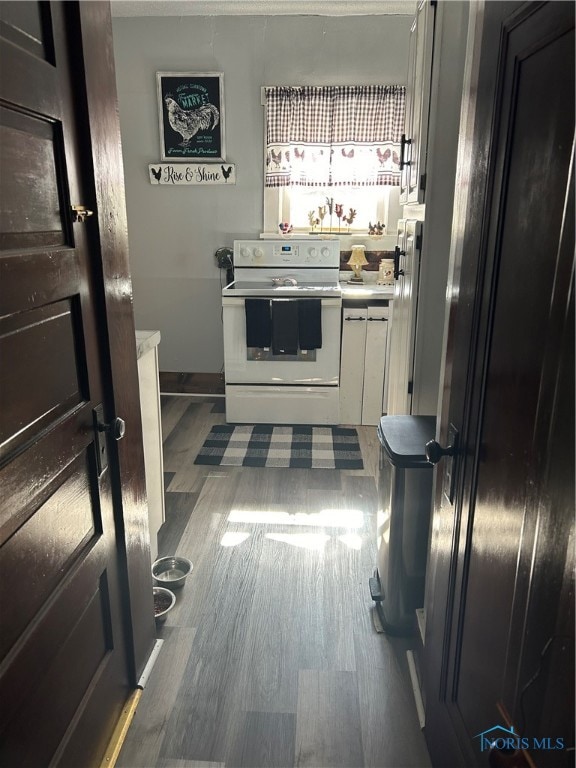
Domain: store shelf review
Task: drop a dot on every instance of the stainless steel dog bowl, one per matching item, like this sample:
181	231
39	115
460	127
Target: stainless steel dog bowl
171	572
164	601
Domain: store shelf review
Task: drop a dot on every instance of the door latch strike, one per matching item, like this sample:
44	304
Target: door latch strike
100	439
80	213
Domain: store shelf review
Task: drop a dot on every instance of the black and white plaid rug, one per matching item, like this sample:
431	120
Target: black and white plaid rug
265	445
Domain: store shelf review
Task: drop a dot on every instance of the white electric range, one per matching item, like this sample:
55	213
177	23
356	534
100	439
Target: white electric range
282	322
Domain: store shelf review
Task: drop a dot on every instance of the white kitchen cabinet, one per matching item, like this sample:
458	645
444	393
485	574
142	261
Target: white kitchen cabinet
404	314
415	138
363	363
147	350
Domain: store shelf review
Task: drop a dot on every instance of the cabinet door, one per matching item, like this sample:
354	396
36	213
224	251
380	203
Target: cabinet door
374	364
404	319
417	104
352	364
406	150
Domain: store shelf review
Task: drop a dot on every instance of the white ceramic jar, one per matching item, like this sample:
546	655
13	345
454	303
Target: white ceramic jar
386	272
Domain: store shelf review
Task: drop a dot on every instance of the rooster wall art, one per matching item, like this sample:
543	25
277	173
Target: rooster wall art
187	122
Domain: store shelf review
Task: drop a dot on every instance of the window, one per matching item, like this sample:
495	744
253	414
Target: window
332	157
298	205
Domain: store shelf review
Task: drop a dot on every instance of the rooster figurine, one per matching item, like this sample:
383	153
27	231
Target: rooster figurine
187	122
350	218
313	220
339	208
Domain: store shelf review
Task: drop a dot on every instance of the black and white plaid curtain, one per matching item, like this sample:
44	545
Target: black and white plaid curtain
346	135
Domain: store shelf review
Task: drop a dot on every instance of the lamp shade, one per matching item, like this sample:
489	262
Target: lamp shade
357	258
356	261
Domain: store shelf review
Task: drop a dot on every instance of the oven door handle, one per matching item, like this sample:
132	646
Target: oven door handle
326	302
229	301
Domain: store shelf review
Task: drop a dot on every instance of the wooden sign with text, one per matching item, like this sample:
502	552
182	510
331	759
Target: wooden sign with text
200	174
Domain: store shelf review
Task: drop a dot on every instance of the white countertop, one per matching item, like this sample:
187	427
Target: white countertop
367	290
145	341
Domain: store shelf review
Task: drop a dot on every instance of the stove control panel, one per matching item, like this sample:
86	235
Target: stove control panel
287	253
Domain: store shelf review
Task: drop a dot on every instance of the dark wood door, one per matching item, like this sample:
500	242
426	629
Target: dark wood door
66	649
499	639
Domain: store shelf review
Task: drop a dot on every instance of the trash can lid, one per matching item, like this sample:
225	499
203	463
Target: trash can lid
404	438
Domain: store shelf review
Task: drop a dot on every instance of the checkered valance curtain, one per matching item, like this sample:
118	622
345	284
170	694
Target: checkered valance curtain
344	135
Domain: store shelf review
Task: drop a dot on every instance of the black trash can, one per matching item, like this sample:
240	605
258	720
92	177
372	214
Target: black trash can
403	521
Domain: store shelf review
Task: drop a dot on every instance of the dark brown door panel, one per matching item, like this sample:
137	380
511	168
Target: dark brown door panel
29	26
62	271
41	552
65	663
32	207
22	66
499	652
75	655
44	369
24	492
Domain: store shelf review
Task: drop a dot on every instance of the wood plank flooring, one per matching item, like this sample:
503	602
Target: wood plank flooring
271	659
192	383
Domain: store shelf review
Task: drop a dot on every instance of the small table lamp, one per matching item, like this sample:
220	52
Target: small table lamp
357	260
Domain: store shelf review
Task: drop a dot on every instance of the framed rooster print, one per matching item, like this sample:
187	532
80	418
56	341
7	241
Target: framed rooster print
191	116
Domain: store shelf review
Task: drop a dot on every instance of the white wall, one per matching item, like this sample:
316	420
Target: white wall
174	231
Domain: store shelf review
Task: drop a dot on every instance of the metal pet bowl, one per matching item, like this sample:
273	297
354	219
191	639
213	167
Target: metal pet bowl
164	601
171	572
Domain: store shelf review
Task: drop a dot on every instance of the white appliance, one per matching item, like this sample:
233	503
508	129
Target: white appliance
263	385
404	311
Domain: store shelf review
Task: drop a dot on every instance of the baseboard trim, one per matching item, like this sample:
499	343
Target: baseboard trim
121	729
180	383
150	664
416	688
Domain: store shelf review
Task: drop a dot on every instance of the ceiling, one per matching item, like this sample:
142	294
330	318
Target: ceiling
262	7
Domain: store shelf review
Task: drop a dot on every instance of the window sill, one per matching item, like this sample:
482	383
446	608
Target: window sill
299	236
372	242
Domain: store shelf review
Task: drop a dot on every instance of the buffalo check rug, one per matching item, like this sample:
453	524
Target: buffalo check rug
265	445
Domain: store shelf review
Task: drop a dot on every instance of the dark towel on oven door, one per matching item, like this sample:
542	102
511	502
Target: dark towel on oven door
258	323
284	327
310	323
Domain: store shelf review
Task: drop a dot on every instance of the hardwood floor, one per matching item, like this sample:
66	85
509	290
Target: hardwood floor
271	659
192	383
